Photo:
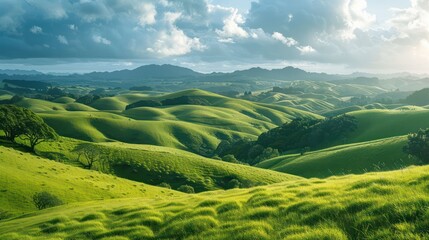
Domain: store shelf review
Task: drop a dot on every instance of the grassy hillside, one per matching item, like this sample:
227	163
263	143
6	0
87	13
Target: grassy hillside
191	127
378	155
155	165
102	127
371	206
63	104
307	102
23	174
377	124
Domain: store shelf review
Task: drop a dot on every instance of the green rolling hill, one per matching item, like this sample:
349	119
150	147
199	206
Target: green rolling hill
377	124
155	165
23	174
369	206
376	145
194	128
357	158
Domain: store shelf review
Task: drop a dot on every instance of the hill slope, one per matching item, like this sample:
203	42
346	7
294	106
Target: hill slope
155	165
377	124
378	155
194	128
370	206
23	174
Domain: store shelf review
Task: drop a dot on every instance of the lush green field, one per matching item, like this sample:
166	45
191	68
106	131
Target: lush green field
155	165
377	124
357	158
390	205
126	204
23	174
191	127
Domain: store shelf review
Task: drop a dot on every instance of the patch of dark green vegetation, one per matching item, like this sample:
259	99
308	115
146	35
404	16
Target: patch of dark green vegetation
300	135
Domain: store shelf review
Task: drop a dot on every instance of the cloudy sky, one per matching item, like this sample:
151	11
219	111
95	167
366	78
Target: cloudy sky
215	35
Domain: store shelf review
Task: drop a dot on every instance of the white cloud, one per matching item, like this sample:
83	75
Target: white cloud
412	22
175	43
231	24
100	39
73	27
285	40
171	17
147	14
356	17
306	49
62	39
36	30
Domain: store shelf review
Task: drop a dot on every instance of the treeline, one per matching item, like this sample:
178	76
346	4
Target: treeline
17	122
300	135
182	100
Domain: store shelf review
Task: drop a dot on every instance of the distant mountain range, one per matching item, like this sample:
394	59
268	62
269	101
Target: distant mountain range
170	77
12	72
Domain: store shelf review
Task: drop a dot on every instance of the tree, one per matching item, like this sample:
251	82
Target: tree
11	121
92	153
44	200
418	145
186	189
233	183
164	185
36	130
230	158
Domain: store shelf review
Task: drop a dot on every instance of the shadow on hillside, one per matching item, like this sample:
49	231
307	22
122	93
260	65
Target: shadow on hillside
16	146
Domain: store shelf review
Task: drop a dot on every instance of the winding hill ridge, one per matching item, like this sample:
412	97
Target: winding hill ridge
191	127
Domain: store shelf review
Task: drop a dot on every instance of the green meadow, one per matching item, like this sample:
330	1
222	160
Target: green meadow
157	175
368	206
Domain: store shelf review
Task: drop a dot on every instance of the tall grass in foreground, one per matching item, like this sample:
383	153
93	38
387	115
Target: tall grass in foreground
391	205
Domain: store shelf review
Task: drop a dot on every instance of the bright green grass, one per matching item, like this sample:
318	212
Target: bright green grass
377	124
23	174
264	112
38	105
378	155
155	165
390	205
103	126
191	127
306	102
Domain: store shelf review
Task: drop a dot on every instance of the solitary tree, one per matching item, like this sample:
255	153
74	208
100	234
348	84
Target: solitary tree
11	121
91	152
36	130
418	145
44	200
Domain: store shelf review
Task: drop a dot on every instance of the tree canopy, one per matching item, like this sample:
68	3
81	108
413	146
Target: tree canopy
418	145
25	124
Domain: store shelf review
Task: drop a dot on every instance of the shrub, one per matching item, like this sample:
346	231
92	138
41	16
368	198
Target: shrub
234	183
164	185
186	189
230	158
4	214
44	200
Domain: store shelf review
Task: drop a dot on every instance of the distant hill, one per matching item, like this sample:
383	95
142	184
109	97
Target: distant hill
287	73
419	98
19	72
152	71
174	78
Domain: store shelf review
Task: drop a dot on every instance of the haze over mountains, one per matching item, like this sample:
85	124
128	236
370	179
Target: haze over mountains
171	77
